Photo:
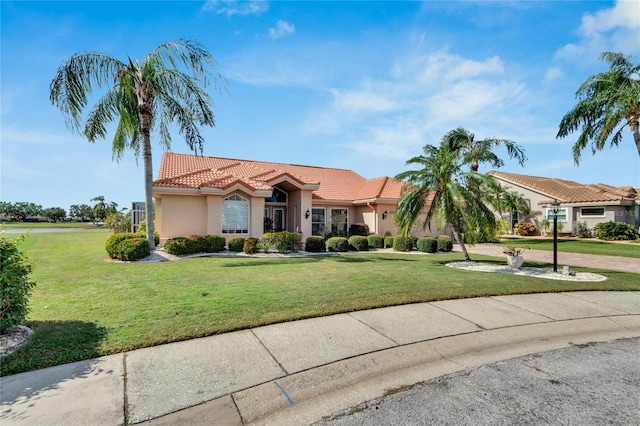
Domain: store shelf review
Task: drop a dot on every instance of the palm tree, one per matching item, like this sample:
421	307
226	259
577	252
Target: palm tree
494	195
102	208
514	202
476	152
453	199
605	101
168	86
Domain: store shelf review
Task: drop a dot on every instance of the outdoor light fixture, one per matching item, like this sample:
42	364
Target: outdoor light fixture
555	208
384	214
307	214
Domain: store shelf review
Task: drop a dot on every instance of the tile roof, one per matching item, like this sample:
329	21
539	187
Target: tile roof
191	171
572	192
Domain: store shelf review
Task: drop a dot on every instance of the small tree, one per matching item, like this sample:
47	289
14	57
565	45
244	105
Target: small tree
15	286
54	214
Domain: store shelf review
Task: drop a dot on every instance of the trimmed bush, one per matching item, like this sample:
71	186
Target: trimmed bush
236	244
315	244
15	286
361	229
338	244
525	229
132	249
388	241
427	245
401	243
212	243
251	245
612	231
284	241
580	230
445	243
358	243
376	241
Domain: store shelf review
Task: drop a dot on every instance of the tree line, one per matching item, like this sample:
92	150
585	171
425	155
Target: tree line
24	211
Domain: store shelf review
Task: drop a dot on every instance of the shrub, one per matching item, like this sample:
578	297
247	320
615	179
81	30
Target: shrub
427	245
284	241
132	249
112	243
338	244
445	243
142	230
212	243
615	231
580	230
525	228
387	234
15	286
361	229
236	244
376	241
315	244
388	241
251	245
118	222
177	246
503	227
358	243
401	243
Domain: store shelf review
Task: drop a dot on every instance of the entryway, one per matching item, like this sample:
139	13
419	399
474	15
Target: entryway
277	216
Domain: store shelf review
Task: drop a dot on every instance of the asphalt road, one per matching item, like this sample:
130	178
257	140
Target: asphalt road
593	384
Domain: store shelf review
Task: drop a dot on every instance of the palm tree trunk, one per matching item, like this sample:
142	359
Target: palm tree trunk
458	238
145	129
636	138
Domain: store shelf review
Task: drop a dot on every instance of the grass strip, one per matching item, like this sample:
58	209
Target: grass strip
84	306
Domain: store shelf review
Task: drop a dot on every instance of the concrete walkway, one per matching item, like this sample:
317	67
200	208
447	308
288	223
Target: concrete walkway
297	372
613	263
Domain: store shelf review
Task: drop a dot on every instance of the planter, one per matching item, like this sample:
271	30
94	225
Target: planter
515	262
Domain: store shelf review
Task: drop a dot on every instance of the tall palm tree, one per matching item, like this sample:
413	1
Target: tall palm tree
607	103
167	87
481	151
454	201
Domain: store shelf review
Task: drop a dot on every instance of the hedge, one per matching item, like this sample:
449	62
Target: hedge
15	285
401	243
315	244
361	229
236	244
445	243
251	245
338	244
284	241
427	245
376	241
388	241
358	243
613	231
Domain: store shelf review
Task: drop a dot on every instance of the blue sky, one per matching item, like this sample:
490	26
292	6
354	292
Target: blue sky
356	85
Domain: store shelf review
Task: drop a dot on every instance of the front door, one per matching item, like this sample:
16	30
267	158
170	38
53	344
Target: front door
276	214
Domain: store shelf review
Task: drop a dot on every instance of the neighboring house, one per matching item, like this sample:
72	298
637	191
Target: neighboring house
592	203
230	197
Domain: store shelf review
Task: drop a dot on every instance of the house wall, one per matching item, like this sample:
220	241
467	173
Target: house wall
180	215
299	202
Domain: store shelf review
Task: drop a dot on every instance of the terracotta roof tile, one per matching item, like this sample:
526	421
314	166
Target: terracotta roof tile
191	171
571	192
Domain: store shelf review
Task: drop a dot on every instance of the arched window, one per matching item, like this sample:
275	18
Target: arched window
235	215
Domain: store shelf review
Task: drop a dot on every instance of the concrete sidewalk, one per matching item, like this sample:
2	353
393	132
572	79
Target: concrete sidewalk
612	263
297	372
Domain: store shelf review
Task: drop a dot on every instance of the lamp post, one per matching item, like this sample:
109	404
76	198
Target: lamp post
555	208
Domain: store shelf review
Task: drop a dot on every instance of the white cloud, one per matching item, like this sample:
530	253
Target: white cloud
614	29
282	29
235	7
553	74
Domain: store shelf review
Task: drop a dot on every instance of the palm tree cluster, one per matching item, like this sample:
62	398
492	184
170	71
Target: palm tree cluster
166	87
607	103
452	196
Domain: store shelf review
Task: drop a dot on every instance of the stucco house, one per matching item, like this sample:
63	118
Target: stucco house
231	197
592	203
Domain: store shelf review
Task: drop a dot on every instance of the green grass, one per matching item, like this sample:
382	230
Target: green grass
572	245
84	306
40	225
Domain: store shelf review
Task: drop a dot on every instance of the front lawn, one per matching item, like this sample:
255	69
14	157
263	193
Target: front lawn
572	245
84	306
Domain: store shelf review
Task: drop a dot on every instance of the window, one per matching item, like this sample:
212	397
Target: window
592	212
235	215
562	215
318	221
339	221
277	196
